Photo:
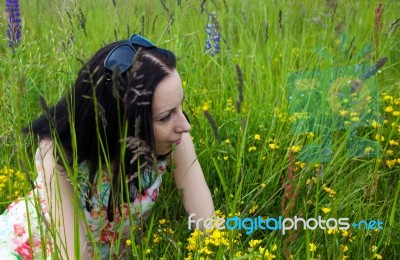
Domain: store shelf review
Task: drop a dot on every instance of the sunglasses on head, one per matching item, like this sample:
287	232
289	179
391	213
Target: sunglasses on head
122	55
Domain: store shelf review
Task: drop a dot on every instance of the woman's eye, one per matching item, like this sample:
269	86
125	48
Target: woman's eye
165	118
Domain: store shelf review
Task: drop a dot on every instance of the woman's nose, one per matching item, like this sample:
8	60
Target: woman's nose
183	124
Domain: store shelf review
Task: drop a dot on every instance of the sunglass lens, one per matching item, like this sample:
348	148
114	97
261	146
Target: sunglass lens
121	56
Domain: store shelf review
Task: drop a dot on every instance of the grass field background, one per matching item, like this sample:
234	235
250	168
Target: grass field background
251	151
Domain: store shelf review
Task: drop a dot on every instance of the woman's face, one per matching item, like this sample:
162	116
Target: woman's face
169	122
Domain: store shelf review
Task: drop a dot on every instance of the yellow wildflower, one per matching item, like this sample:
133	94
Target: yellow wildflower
273	146
300	164
226	158
206	106
257	137
332	231
393	142
254	242
252	148
193	240
345	233
343	113
326	210
227	141
20	175
377	256
375	124
253	209
156	238
169	231
344	248
219	213
128	242
3	178
368	149
205	250
354	114
217	238
295	148
162	221
379	138
189	257
331	192
148	251
389	109
391	163
266	254
313	247
388	98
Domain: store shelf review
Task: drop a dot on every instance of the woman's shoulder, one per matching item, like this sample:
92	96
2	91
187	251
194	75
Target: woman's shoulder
45	157
45	146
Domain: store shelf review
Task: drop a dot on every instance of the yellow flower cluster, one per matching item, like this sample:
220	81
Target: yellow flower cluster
252	148
230	107
273	146
263	252
13	180
313	247
204	244
332	231
312	180
5	174
206	105
391	163
330	191
392	113
295	148
299	116
281	115
253	209
375	255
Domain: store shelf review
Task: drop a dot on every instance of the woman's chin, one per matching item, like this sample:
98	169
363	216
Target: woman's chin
164	152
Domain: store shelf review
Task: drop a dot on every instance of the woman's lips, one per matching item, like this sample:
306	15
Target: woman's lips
178	141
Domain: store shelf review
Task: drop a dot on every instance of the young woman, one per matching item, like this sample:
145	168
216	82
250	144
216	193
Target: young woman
103	149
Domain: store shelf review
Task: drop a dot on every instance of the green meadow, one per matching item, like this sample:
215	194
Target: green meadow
297	115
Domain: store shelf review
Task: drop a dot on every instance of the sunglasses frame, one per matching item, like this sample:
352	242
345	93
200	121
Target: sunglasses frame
119	56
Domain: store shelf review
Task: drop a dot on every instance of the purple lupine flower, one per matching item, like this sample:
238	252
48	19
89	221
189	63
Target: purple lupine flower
213	36
14	23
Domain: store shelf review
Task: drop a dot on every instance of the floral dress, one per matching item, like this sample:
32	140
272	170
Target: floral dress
24	232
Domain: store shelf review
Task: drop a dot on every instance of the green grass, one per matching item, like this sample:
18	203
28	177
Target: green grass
268	41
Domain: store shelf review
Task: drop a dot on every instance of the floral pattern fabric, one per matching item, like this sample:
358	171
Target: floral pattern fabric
24	232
